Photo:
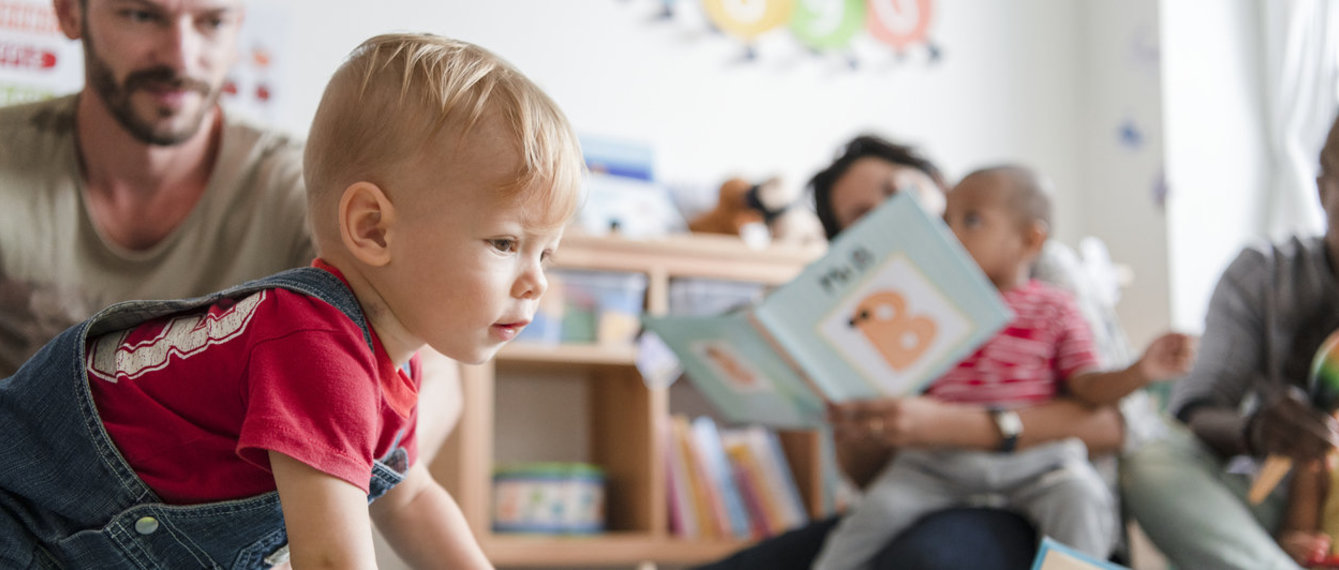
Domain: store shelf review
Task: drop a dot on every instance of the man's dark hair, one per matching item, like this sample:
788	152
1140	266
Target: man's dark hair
866	145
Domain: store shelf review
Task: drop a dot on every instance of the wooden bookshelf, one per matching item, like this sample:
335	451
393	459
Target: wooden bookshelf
627	419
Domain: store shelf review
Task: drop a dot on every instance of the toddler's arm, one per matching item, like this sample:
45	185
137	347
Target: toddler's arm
425	526
326	517
1168	356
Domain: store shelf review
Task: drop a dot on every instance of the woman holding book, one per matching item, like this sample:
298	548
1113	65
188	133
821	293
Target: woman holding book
866	172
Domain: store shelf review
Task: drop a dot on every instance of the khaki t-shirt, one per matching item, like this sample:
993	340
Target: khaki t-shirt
57	270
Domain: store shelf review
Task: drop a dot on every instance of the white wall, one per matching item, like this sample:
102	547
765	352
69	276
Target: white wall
1121	174
1006	88
1215	142
1042	82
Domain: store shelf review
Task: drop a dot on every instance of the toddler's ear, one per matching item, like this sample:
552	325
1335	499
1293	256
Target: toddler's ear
1035	236
366	216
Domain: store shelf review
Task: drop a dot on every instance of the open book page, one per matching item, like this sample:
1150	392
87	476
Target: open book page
737	369
892	305
1052	555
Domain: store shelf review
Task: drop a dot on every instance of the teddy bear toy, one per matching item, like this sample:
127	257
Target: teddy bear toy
743	208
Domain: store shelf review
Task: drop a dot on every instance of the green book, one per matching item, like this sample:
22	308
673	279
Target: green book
892	304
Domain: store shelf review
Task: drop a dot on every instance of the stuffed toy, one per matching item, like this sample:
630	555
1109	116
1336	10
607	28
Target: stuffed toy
743	206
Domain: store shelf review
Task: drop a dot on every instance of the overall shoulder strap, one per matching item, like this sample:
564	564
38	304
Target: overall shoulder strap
309	281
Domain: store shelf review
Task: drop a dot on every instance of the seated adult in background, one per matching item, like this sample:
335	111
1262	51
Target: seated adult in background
1270	311
141	187
868	171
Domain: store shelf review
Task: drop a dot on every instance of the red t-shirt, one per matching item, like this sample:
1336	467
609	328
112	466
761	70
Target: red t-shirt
1047	342
196	401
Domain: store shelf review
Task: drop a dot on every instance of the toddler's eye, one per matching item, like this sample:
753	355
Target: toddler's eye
506	245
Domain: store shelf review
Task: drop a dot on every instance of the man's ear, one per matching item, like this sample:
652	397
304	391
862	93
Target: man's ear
70	16
366	218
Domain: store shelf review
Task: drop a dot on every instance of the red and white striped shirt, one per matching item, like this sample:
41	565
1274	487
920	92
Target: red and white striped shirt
1047	342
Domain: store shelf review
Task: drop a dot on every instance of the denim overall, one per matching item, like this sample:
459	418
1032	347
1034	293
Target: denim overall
69	499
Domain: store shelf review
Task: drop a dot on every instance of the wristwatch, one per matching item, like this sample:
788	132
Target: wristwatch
1010	426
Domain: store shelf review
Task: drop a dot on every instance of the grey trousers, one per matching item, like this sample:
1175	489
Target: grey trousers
1196	512
1053	485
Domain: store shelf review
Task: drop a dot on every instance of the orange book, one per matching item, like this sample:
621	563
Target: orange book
683	519
750	469
697	482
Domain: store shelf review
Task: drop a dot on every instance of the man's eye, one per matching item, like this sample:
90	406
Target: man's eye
506	245
139	16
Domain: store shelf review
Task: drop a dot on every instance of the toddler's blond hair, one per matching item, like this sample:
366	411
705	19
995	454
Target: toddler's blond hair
398	95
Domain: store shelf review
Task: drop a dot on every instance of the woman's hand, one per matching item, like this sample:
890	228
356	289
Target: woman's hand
915	421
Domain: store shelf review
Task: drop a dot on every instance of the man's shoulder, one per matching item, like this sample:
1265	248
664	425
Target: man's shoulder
30	129
1272	260
57	113
247	133
263	159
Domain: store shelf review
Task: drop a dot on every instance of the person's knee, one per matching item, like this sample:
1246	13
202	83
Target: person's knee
1147	471
1000	540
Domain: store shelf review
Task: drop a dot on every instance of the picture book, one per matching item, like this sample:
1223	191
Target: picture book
1052	555
892	304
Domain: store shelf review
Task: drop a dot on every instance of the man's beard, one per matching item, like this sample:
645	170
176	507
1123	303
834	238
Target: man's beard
117	98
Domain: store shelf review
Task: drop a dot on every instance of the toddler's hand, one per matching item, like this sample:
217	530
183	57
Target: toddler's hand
1305	546
1169	356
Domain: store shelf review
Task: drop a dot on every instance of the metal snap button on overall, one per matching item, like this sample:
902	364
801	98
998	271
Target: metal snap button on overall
146	525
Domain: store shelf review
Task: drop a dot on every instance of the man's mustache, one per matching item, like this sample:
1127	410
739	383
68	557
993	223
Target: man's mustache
159	77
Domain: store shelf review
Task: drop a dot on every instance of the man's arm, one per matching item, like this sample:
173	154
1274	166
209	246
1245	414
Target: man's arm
326	517
1231	357
425	526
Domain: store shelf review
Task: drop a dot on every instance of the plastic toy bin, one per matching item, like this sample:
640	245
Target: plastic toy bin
700	296
548	498
588	307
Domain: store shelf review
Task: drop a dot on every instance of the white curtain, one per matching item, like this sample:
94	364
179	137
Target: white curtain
1301	92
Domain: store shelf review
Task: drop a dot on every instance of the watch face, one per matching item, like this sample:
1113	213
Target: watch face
1010	424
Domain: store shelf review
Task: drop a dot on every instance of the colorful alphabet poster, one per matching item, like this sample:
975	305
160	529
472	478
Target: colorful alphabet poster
37	61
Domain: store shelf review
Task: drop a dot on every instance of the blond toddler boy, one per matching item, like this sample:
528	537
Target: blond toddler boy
1002	217
255	425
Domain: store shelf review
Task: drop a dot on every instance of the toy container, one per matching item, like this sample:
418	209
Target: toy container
697	296
548	498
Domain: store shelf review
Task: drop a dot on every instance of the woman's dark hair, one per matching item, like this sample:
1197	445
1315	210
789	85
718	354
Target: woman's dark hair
862	146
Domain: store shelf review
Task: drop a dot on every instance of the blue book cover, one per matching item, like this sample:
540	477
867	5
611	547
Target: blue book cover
722	476
1053	555
892	304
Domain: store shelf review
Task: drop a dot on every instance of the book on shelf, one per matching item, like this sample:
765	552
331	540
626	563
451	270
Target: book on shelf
729	483
696	504
759	450
683	516
893	303
731	517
